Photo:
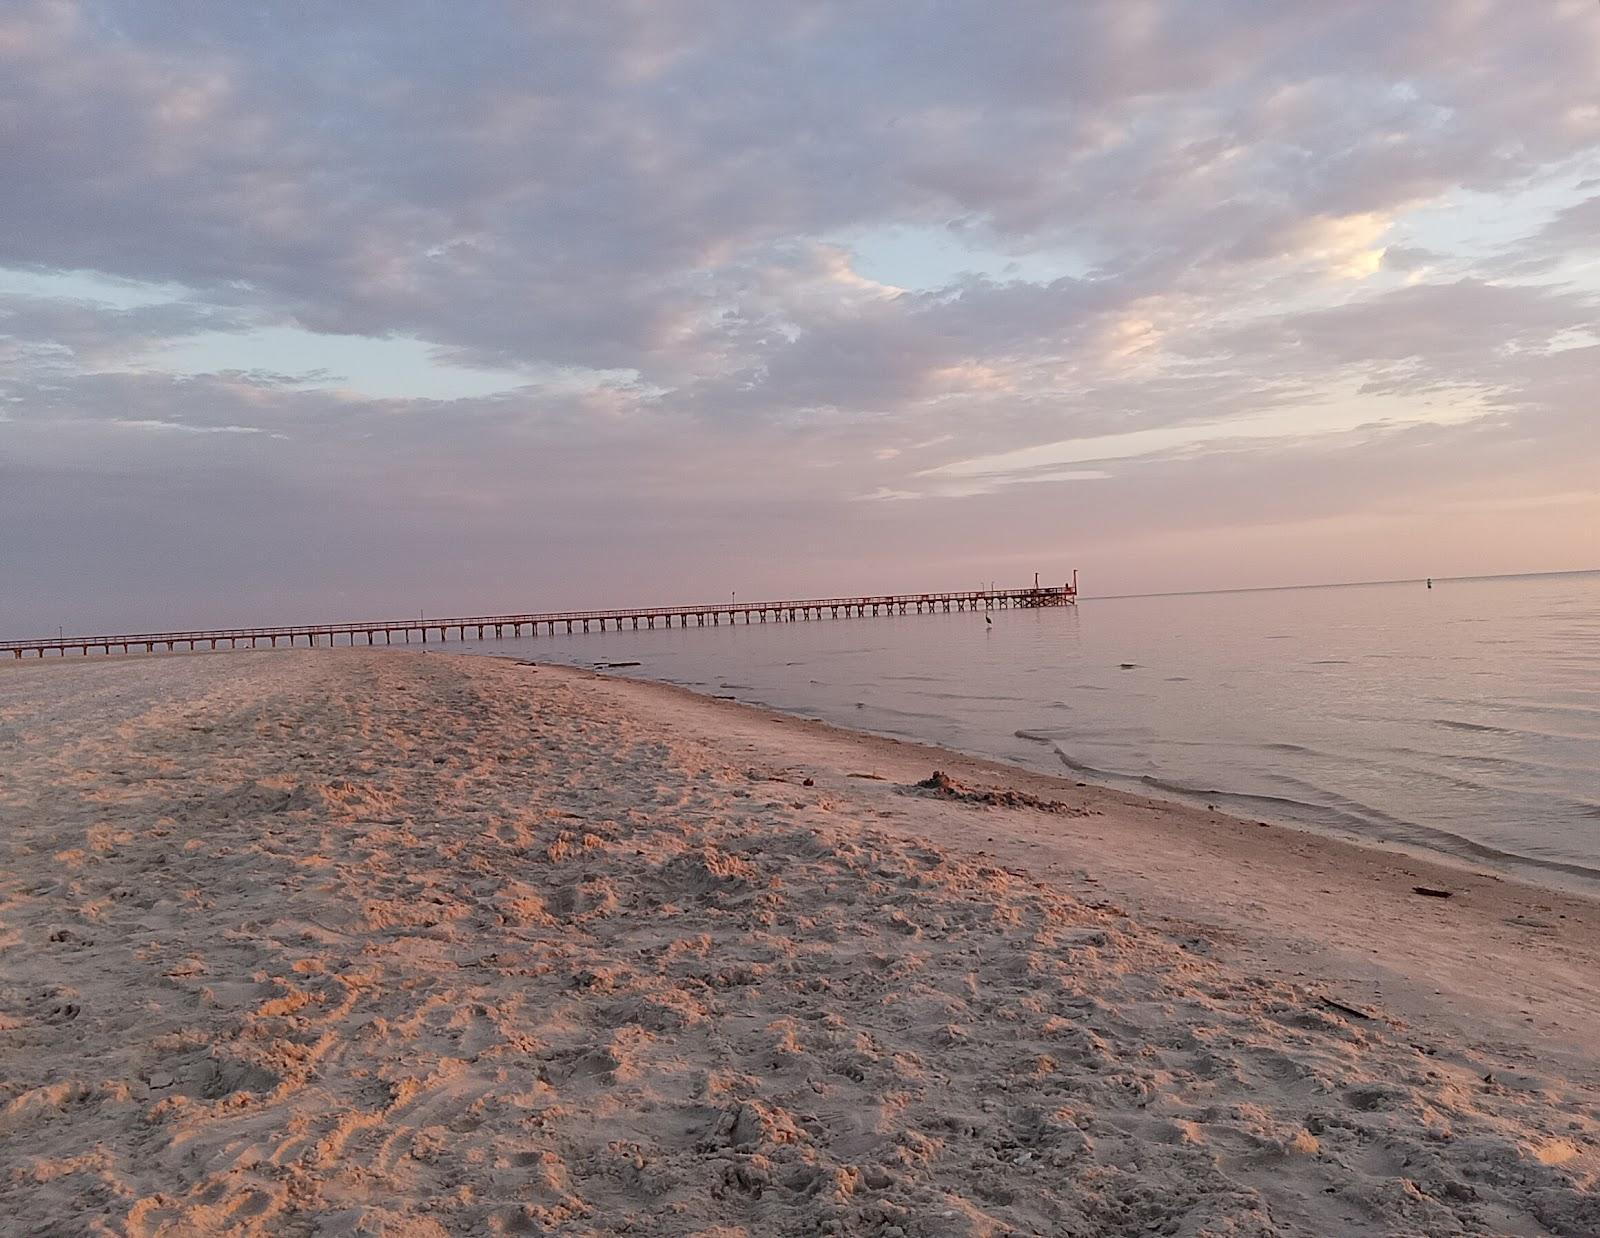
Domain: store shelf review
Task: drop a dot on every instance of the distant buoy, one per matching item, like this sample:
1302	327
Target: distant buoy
1430	582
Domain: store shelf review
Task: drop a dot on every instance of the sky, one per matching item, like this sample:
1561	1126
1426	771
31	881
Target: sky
312	312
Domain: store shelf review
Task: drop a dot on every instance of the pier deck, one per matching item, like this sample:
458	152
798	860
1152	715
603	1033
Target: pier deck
496	627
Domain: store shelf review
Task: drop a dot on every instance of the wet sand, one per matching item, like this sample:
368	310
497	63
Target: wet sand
339	942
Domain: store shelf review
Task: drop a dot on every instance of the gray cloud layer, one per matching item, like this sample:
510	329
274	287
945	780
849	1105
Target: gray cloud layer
660	216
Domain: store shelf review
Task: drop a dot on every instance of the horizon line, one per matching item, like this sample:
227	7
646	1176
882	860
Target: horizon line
1336	584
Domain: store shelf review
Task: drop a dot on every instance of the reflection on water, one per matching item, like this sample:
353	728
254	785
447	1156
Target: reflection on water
1465	718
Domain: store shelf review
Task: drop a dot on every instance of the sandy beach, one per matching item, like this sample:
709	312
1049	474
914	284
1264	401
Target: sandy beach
350	943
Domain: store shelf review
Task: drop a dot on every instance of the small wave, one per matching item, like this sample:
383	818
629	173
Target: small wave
1462	758
1355	816
1080	767
907	715
1350	815
973	696
1456	725
1558	709
1522	765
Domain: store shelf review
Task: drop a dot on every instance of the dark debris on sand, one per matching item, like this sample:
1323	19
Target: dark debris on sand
945	787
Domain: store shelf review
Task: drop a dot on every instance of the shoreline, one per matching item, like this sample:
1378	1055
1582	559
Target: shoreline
361	943
1144	826
1450	851
1430	844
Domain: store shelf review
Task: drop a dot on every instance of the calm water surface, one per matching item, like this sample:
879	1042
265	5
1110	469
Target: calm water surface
1464	719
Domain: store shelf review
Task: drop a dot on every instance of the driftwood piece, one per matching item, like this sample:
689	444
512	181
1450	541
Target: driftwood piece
1432	892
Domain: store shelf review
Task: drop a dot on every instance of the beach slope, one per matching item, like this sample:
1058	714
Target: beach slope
384	943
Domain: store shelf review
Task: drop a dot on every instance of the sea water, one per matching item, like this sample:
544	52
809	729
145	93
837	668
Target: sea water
1463	718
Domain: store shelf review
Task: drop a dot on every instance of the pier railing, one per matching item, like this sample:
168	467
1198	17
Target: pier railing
495	627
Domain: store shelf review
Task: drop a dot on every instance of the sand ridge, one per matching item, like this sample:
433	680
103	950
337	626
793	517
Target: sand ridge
351	943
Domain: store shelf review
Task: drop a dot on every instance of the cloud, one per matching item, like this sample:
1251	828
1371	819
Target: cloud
1447	330
1575	227
1184	223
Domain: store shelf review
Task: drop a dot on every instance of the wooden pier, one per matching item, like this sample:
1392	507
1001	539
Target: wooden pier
497	627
